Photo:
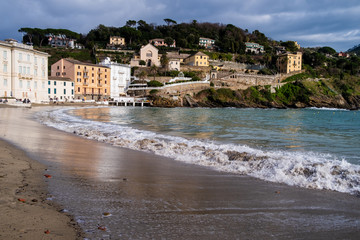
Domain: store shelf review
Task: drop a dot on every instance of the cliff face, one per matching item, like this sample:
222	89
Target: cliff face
303	94
292	95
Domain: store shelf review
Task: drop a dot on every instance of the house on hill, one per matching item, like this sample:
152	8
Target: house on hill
289	62
149	54
160	42
254	48
207	43
198	59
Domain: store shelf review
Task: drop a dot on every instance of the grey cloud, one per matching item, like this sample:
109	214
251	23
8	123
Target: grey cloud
322	22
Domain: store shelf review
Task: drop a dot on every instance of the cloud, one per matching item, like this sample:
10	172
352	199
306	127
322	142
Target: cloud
307	21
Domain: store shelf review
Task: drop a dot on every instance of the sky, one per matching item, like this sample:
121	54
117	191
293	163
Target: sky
311	23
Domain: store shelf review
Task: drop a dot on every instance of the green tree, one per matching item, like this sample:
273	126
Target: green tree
169	21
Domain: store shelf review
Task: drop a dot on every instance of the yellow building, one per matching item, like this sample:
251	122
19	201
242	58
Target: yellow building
290	62
91	81
116	40
198	59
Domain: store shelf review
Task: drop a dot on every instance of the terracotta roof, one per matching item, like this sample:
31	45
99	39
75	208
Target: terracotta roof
59	78
83	63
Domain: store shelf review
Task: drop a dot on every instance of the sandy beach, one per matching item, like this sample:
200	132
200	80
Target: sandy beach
24	211
117	193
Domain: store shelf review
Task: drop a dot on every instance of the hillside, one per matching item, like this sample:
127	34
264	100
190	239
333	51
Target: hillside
299	94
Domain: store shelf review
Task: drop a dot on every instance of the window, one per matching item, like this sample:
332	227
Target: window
49	90
24	70
20	69
57	73
35	84
54	90
20	56
35	72
105	82
78	79
92	75
28	70
64	83
35	60
78	89
5	82
20	84
43	84
64	91
78	67
64	67
79	73
43	61
5	55
28	84
43	73
54	83
72	91
28	57
49	83
72	84
58	67
105	90
149	54
5	68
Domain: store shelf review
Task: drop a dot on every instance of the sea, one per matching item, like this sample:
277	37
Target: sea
315	148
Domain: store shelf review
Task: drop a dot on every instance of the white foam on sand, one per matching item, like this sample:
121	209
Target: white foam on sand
303	169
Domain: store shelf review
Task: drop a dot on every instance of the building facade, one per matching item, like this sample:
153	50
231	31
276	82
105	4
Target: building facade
23	72
91	81
120	78
254	47
60	89
290	62
160	42
116	40
198	59
207	43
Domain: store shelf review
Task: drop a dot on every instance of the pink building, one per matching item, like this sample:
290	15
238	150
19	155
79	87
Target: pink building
160	42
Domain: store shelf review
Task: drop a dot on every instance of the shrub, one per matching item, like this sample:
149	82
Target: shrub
155	83
154	91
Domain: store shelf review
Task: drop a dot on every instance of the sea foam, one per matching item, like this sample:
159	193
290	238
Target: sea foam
303	169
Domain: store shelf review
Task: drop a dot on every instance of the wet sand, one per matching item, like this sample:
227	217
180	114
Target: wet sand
24	211
152	197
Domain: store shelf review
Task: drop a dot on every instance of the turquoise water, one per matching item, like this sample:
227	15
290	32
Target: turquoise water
326	131
311	148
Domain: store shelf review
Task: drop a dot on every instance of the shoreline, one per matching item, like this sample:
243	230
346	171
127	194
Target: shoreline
26	212
145	196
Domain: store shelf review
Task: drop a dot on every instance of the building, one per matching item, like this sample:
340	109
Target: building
120	78
342	54
23	72
207	43
63	41
198	59
160	42
60	89
174	64
254	48
116	40
91	81
149	54
290	62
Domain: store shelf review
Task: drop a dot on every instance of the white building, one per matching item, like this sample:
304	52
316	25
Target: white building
120	78
60	89
23	72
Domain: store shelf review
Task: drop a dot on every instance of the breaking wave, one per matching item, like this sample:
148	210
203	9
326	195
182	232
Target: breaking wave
303	169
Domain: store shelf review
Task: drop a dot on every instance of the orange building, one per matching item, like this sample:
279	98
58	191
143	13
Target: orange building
91	81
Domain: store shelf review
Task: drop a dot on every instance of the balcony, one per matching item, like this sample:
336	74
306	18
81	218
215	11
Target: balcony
86	71
86	84
85	76
99	85
99	78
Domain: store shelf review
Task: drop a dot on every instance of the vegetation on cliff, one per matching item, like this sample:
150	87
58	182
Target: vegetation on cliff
305	93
